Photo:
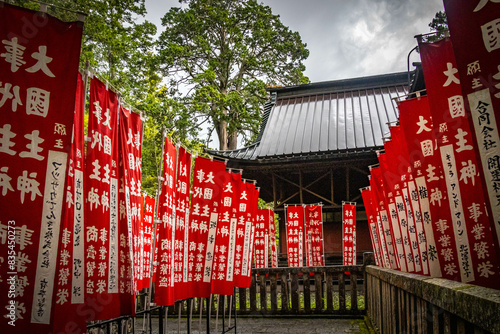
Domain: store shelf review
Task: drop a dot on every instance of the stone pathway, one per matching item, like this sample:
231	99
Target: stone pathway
257	325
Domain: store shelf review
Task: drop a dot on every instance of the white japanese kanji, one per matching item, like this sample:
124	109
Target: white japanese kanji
105	178
5	181
19	309
107	120
229	187
481	249
62	296
37	101
96	172
42	61
461	141
27	185
491	35
200	175
93	198
105	201
107	145
478	232
422	125
33	146
7	95
130	140
456	106
450	269
484	269
21	261
468	171
427	149
63	257
436	196
14	53
60	129
101	286
66	237
96	139
450	74
474	67
5	140
483	3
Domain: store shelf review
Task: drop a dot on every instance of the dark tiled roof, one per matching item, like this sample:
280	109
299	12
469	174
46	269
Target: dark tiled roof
326	118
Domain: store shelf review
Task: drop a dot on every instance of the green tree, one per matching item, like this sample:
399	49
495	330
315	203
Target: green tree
439	24
224	53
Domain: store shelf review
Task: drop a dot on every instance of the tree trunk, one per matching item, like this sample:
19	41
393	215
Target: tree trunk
232	141
221	129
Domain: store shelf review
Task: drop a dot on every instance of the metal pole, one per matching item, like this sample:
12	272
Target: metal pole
223	313
201	313
209	312
217	315
179	319
190	315
160	320
230	306
166	318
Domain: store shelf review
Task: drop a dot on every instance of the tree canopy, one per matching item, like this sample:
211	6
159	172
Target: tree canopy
220	55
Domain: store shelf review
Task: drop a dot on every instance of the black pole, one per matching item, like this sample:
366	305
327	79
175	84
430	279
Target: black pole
234	294
160	320
223	313
189	316
208	300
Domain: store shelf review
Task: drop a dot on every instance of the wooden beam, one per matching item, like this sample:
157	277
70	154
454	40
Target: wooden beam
304	188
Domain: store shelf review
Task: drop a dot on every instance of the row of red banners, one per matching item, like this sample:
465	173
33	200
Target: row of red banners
77	232
304	235
207	242
430	207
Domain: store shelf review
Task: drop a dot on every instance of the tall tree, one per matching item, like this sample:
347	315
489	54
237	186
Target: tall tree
439	24
223	53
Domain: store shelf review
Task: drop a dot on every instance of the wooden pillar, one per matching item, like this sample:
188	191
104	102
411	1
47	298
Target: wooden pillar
347	186
300	187
331	185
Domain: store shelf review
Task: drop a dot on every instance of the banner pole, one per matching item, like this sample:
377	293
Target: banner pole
209	312
155	226
230	305
217	314
179	318
201	313
165	330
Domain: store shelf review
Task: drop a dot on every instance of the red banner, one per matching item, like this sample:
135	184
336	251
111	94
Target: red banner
148	224
477	258
262	239
295	235
416	122
408	206
313	229
223	265
366	194
381	221
272	240
71	255
243	245
389	179
101	206
250	240
164	287
39	66
474	27
349	234
130	153
205	204
181	240
392	172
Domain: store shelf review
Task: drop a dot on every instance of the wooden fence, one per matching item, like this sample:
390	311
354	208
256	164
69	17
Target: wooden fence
407	303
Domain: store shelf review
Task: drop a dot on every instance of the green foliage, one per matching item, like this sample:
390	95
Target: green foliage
439	24
226	53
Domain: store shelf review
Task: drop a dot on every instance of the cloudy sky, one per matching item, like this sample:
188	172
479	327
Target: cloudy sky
346	38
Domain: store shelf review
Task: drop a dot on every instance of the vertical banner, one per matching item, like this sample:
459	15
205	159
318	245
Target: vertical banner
381	220
470	223
164	287
124	241
366	194
474	27
181	243
392	173
205	204
39	74
313	229
101	200
71	259
348	234
416	122
262	239
224	255
405	204
389	179
149	213
243	247
295	235
272	239
246	271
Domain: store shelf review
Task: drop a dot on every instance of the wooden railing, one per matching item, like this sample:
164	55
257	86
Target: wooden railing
406	303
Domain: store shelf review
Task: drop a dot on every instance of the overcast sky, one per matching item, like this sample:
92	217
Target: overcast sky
346	38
